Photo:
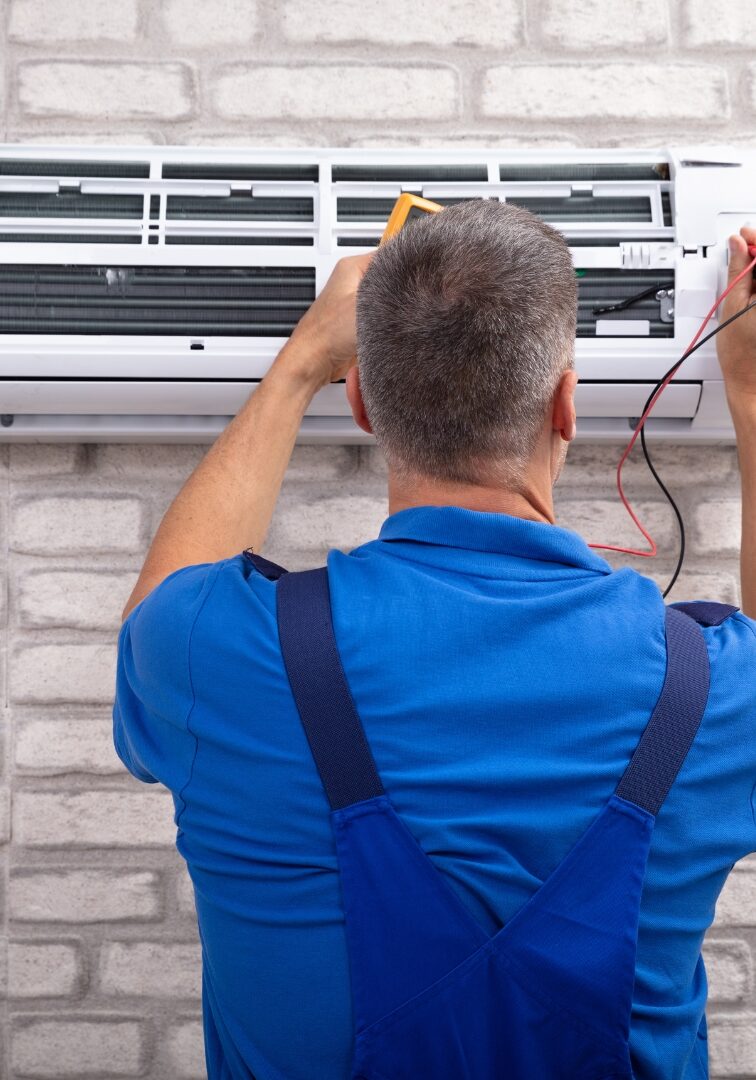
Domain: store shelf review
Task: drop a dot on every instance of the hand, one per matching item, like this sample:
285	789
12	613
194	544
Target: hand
736	346
325	338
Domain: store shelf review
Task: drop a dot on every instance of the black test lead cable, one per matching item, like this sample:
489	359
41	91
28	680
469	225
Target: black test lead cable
654	473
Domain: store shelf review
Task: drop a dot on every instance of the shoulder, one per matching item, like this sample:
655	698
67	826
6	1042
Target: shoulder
168	608
156	642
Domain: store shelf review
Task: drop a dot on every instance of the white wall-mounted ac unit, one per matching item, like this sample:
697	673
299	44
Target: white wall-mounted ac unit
144	292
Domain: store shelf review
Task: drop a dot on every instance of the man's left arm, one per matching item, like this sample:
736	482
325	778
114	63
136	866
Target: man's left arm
227	503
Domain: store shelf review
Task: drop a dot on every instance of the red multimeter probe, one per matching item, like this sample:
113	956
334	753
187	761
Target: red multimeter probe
408	207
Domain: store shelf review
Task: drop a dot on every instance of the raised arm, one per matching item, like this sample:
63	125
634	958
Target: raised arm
228	501
736	348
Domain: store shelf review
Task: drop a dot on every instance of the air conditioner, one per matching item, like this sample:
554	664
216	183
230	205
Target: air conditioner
144	291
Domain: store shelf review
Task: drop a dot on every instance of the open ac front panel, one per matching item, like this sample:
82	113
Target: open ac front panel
144	292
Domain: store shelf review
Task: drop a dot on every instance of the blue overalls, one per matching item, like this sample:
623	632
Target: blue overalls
434	996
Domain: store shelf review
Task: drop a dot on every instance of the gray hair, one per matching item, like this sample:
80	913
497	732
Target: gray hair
466	320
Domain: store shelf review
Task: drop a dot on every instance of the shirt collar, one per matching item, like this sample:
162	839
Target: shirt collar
456	526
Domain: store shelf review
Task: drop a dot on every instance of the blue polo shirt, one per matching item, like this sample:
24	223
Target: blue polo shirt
504	674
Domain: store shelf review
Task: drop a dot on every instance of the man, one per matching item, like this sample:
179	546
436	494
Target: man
502	671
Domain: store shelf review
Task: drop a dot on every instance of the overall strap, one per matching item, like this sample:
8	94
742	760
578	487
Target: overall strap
706	612
677	715
270	570
324	701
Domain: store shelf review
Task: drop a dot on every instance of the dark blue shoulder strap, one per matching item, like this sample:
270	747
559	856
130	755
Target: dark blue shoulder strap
670	732
270	570
324	701
706	612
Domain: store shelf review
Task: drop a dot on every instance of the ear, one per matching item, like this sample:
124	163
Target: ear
564	418
354	397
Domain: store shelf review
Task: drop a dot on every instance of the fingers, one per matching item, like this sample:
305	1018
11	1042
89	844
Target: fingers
739	260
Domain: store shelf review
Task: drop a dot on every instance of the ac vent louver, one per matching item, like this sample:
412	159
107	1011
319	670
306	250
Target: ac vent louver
564	171
584	207
192	300
413	174
133	170
237	171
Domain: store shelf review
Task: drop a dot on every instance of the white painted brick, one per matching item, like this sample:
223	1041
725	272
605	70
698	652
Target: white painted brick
73	598
151	967
77	1048
46	459
692	585
729	968
184	892
736	905
211	22
717	526
42	969
73	673
48	747
590	464
336	521
591	24
491	23
607	91
752	75
186	1050
84	896
732	1045
319	463
339	91
465	140
372	461
5	814
606	521
31	135
58	20
52	525
166	461
93	819
718	22
177	462
106	91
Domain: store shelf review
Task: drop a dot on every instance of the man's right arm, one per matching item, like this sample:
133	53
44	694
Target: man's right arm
736	347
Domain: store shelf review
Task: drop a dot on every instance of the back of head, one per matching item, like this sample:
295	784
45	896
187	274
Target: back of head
466	319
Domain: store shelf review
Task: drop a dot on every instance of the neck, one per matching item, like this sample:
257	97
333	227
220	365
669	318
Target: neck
534	502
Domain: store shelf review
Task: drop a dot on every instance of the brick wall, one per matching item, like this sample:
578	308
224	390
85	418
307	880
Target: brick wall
102	958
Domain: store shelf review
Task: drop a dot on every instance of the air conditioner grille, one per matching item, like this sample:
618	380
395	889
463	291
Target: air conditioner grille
132	170
194	300
69	238
579	207
602	288
582	206
408	173
605	171
365	208
666	200
205	238
240	207
69	204
239	171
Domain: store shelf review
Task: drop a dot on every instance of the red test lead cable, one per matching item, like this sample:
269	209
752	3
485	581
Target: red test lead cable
649	407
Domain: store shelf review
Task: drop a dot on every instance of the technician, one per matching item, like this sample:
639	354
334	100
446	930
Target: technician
503	672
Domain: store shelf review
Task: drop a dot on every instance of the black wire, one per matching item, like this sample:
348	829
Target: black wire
654	473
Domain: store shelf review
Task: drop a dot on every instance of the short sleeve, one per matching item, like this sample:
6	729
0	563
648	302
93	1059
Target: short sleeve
154	694
732	716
